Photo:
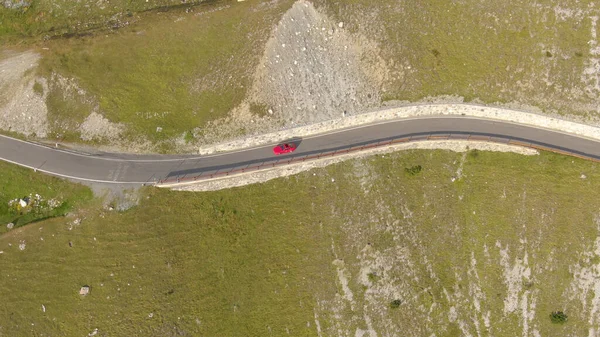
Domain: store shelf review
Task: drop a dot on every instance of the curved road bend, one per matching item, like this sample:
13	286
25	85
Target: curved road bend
139	169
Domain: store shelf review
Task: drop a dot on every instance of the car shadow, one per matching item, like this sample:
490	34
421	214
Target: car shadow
295	140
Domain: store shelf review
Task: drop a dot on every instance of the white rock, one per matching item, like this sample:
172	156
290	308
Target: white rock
341	25
10	225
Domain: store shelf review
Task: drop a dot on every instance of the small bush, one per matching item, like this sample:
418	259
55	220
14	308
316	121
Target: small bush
395	304
260	110
413	170
38	88
372	277
558	317
188	137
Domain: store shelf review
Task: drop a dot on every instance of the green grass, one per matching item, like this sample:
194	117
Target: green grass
176	70
479	50
259	260
55	18
227	264
73	111
260	110
441	224
19	182
179	67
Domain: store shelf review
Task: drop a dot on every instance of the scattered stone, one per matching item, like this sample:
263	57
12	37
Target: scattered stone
43	308
11	4
150	315
84	291
583	176
23	110
93	333
341	25
159	129
343	73
10	225
22	245
98	127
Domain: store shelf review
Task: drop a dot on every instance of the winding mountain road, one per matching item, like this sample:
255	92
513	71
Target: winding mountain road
151	169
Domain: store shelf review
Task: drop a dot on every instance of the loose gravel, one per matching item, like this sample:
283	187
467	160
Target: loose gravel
22	108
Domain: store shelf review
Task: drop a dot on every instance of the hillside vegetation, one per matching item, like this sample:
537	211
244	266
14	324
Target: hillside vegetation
21	19
170	76
469	244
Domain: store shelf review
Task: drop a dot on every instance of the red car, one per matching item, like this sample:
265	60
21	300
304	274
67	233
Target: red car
284	148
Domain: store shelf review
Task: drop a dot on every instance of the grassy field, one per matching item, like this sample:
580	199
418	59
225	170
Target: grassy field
175	70
488	243
55	18
18	183
226	264
486	50
165	70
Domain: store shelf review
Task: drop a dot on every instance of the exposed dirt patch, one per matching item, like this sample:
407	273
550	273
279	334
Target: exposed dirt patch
312	70
22	95
585	287
96	126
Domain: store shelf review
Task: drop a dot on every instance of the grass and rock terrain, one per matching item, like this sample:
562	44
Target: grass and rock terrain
166	76
47	197
414	243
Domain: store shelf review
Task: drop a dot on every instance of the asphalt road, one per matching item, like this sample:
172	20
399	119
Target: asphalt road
140	169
